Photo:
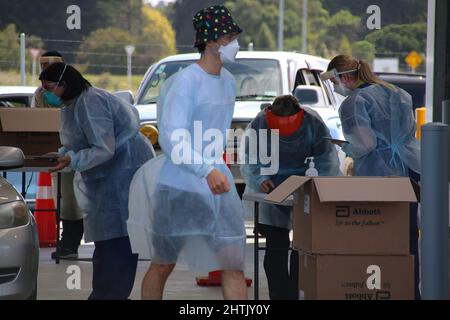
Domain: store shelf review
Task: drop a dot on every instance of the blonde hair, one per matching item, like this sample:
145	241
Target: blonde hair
364	73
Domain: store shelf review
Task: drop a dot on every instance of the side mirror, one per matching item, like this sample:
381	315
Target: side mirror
264	105
125	95
308	95
11	158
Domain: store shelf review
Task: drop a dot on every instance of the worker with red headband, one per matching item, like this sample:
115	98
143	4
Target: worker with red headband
302	134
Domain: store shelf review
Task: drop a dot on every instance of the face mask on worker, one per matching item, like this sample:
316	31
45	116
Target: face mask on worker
340	87
51	98
228	53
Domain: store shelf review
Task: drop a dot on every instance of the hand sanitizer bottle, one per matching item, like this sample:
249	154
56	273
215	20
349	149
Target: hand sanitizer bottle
312	171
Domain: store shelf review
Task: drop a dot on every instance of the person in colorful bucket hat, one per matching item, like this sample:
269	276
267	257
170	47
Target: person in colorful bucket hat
190	210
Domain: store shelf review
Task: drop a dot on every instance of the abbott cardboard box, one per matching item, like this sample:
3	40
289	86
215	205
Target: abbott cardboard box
34	130
349	215
327	277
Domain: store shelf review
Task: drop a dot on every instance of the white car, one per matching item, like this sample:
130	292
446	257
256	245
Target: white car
19	242
260	78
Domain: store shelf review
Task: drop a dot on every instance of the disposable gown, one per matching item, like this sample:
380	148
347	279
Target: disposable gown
379	125
171	205
293	150
100	133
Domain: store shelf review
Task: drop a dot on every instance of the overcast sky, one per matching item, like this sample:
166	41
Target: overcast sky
155	2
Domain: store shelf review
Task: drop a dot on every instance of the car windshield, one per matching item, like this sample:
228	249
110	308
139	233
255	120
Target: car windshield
256	79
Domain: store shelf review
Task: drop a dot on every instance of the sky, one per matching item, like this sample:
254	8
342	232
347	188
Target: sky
155	2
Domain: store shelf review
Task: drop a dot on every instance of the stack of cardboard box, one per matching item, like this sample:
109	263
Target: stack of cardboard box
352	234
34	130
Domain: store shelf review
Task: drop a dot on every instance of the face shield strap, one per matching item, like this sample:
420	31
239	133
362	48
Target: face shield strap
62	74
334	74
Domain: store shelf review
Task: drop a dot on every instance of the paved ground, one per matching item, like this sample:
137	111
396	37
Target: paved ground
181	285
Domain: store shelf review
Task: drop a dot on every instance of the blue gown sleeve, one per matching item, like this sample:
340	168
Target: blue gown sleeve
176	118
356	126
96	120
325	155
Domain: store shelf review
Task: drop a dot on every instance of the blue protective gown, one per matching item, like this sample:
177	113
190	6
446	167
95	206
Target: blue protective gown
183	218
293	150
379	125
100	133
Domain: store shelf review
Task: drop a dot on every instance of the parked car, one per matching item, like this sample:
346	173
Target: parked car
260	78
19	242
19	97
414	84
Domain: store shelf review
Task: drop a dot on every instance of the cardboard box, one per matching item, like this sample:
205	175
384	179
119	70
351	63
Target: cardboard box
328	277
349	215
34	130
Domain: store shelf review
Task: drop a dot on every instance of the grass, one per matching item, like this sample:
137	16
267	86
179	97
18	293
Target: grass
104	81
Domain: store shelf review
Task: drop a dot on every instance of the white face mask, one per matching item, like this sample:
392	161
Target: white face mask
341	89
228	53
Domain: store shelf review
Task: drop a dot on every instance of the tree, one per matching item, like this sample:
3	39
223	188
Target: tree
392	11
104	51
344	46
399	40
363	50
265	39
157	39
9	48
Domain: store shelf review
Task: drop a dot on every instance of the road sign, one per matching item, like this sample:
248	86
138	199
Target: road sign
413	59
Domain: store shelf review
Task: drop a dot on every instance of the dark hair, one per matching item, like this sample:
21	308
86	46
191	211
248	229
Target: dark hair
52	54
72	79
201	47
285	106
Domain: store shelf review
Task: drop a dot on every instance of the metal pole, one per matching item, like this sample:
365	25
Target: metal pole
305	27
434	211
446	120
130	51
256	231
23	79
281	26
33	77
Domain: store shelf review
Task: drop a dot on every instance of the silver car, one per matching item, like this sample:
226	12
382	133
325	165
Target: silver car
19	242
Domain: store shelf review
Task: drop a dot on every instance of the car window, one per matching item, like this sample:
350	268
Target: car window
158	78
14	102
255	78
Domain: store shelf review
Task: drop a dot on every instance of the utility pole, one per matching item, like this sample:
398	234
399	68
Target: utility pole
305	27
130	51
281	26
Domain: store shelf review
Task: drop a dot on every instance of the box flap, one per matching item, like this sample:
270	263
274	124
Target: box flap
365	189
284	190
30	119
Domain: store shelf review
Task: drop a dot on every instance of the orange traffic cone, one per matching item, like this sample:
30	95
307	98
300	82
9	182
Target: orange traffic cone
45	214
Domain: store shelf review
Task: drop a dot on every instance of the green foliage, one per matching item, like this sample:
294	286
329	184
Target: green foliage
400	38
9	48
105	48
265	39
363	50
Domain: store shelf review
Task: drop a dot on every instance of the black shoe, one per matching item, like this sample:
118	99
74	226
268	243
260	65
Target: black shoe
64	253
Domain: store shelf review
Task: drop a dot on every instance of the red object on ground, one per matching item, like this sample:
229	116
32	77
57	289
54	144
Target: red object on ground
45	220
214	279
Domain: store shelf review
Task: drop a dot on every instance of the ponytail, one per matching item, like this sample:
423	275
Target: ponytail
365	74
